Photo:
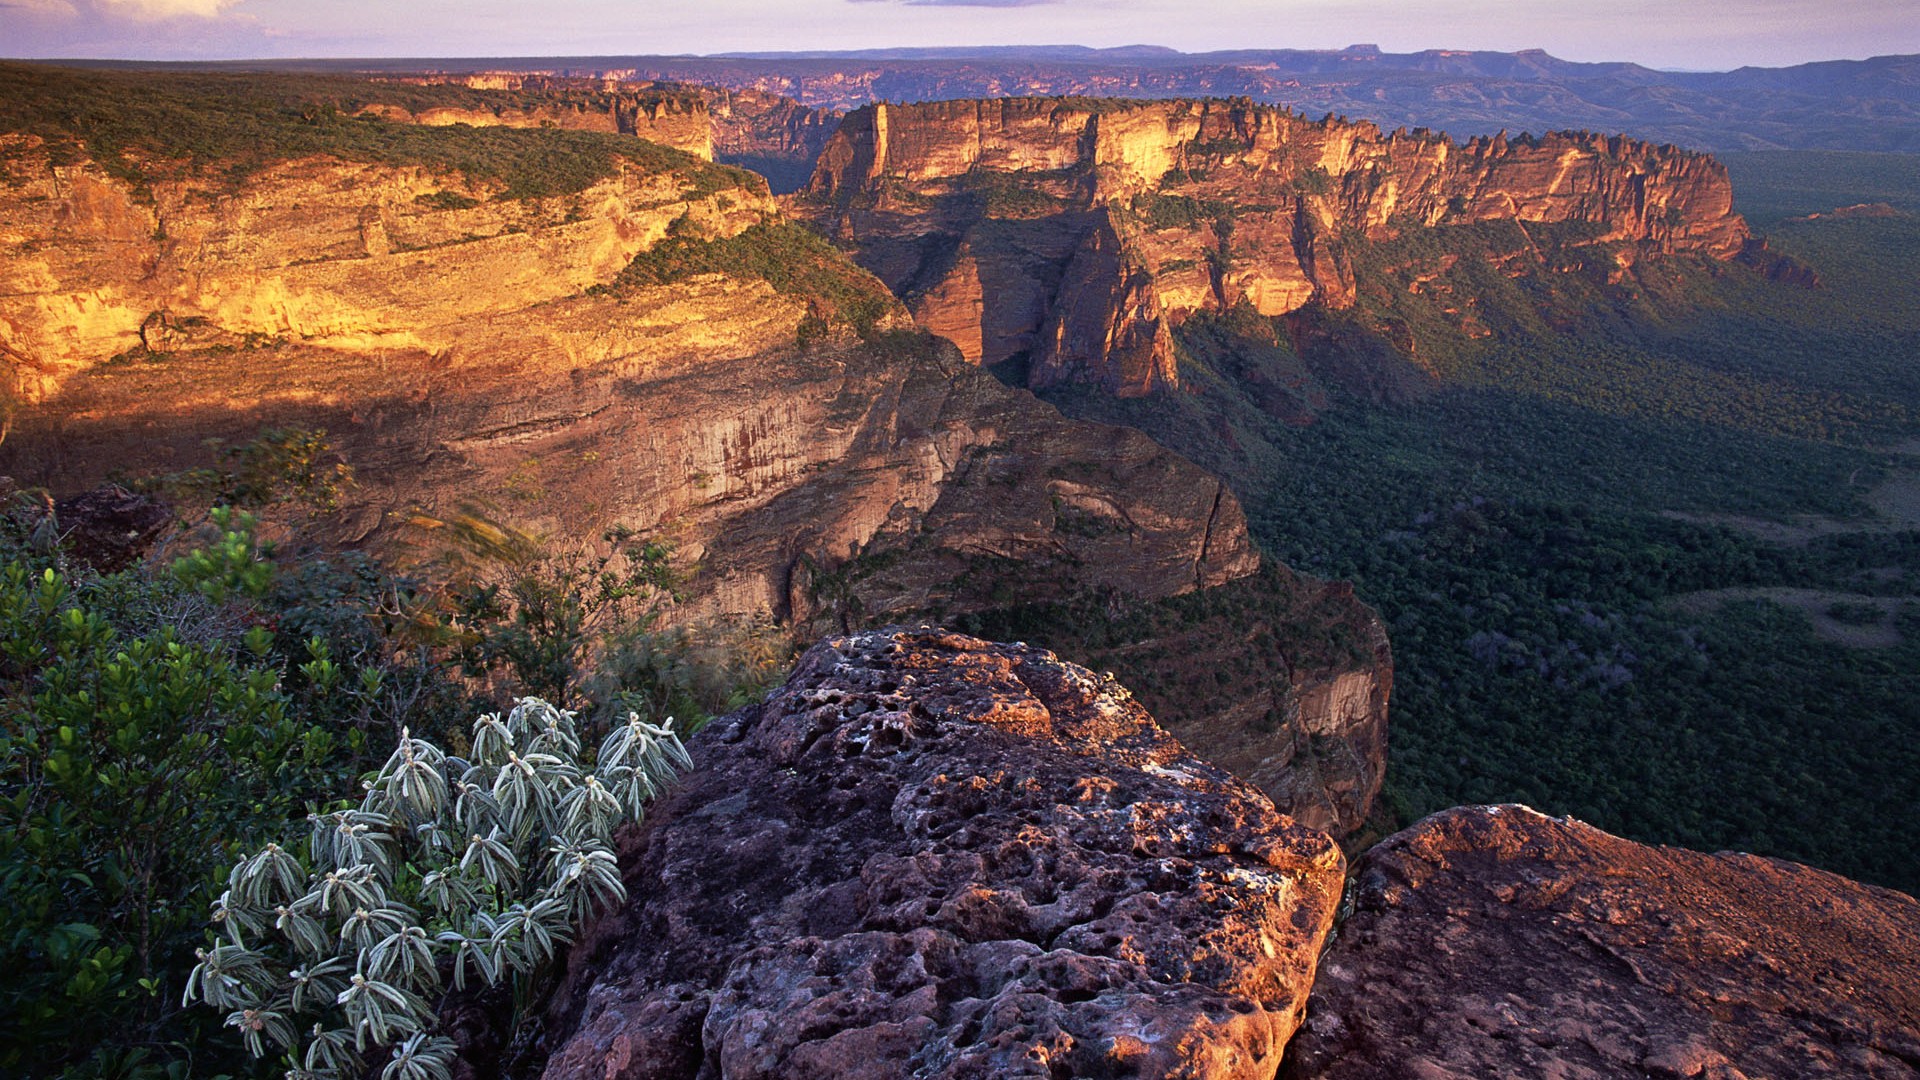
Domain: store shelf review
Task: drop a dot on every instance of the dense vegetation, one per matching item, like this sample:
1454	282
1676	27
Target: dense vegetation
231	125
158	722
1540	513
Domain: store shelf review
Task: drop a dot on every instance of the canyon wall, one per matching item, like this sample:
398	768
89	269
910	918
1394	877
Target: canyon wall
476	359
774	136
477	342
667	114
343	255
1072	232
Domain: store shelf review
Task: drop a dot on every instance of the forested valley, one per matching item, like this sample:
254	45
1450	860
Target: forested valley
1657	569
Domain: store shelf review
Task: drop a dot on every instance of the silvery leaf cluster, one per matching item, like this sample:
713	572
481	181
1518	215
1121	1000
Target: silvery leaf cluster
451	872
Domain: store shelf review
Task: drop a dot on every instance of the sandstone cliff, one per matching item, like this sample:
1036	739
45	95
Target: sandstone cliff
1496	941
453	351
346	255
931	855
661	113
471	354
1072	231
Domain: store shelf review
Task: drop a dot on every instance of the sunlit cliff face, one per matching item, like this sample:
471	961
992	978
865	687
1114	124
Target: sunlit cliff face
1145	212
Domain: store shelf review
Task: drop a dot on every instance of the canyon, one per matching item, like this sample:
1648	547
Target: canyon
1072	236
477	361
949	853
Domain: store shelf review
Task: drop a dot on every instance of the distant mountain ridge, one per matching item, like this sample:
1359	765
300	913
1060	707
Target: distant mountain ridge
1871	104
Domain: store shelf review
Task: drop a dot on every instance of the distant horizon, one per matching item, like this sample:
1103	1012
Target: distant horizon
1657	34
1109	54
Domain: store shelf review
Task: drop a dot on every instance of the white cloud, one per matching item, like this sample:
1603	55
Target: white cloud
166	9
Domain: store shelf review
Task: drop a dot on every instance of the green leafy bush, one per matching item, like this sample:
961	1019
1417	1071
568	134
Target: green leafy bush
449	870
129	766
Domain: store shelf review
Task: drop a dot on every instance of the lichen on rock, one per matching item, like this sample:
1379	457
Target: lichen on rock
931	855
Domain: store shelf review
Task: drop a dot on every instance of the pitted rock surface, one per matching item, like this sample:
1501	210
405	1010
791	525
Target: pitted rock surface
933	856
1494	941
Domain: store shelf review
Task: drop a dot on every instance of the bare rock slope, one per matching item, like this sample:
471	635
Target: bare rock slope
1495	941
935	856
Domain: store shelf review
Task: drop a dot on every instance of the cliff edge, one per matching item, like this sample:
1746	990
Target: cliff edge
933	855
1072	233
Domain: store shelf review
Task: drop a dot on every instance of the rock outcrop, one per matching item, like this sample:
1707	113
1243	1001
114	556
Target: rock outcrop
1072	232
663	113
930	855
470	363
359	257
1495	941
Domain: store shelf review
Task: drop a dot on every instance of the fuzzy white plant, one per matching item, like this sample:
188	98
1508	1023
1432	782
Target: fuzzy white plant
447	870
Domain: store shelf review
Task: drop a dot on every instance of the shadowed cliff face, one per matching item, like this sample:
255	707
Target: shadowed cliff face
775	136
1072	233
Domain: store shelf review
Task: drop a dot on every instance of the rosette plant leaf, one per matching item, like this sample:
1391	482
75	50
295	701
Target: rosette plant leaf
449	874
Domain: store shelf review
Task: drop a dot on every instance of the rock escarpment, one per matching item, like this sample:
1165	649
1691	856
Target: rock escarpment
663	113
1494	941
931	855
365	258
1073	232
470	361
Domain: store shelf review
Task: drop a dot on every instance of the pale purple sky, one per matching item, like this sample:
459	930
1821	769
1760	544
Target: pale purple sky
1696	34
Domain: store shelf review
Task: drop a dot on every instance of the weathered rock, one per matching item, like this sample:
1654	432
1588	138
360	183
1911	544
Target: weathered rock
362	258
775	136
1494	941
1202	206
934	856
663	113
109	527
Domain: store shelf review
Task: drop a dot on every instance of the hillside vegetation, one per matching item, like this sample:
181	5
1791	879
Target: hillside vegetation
1541	515
231	125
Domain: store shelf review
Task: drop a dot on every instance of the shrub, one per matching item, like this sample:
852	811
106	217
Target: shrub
448	870
128	765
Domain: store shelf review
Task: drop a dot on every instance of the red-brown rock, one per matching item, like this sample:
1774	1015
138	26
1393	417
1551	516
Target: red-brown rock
934	856
1109	222
1494	941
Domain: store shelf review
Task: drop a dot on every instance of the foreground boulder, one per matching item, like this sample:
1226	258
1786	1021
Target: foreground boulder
1494	941
935	856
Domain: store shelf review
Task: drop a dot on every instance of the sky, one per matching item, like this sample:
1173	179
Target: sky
1677	34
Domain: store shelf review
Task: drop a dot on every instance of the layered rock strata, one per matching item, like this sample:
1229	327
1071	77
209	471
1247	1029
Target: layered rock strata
935	856
352	256
667	114
489	377
1495	941
1074	232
